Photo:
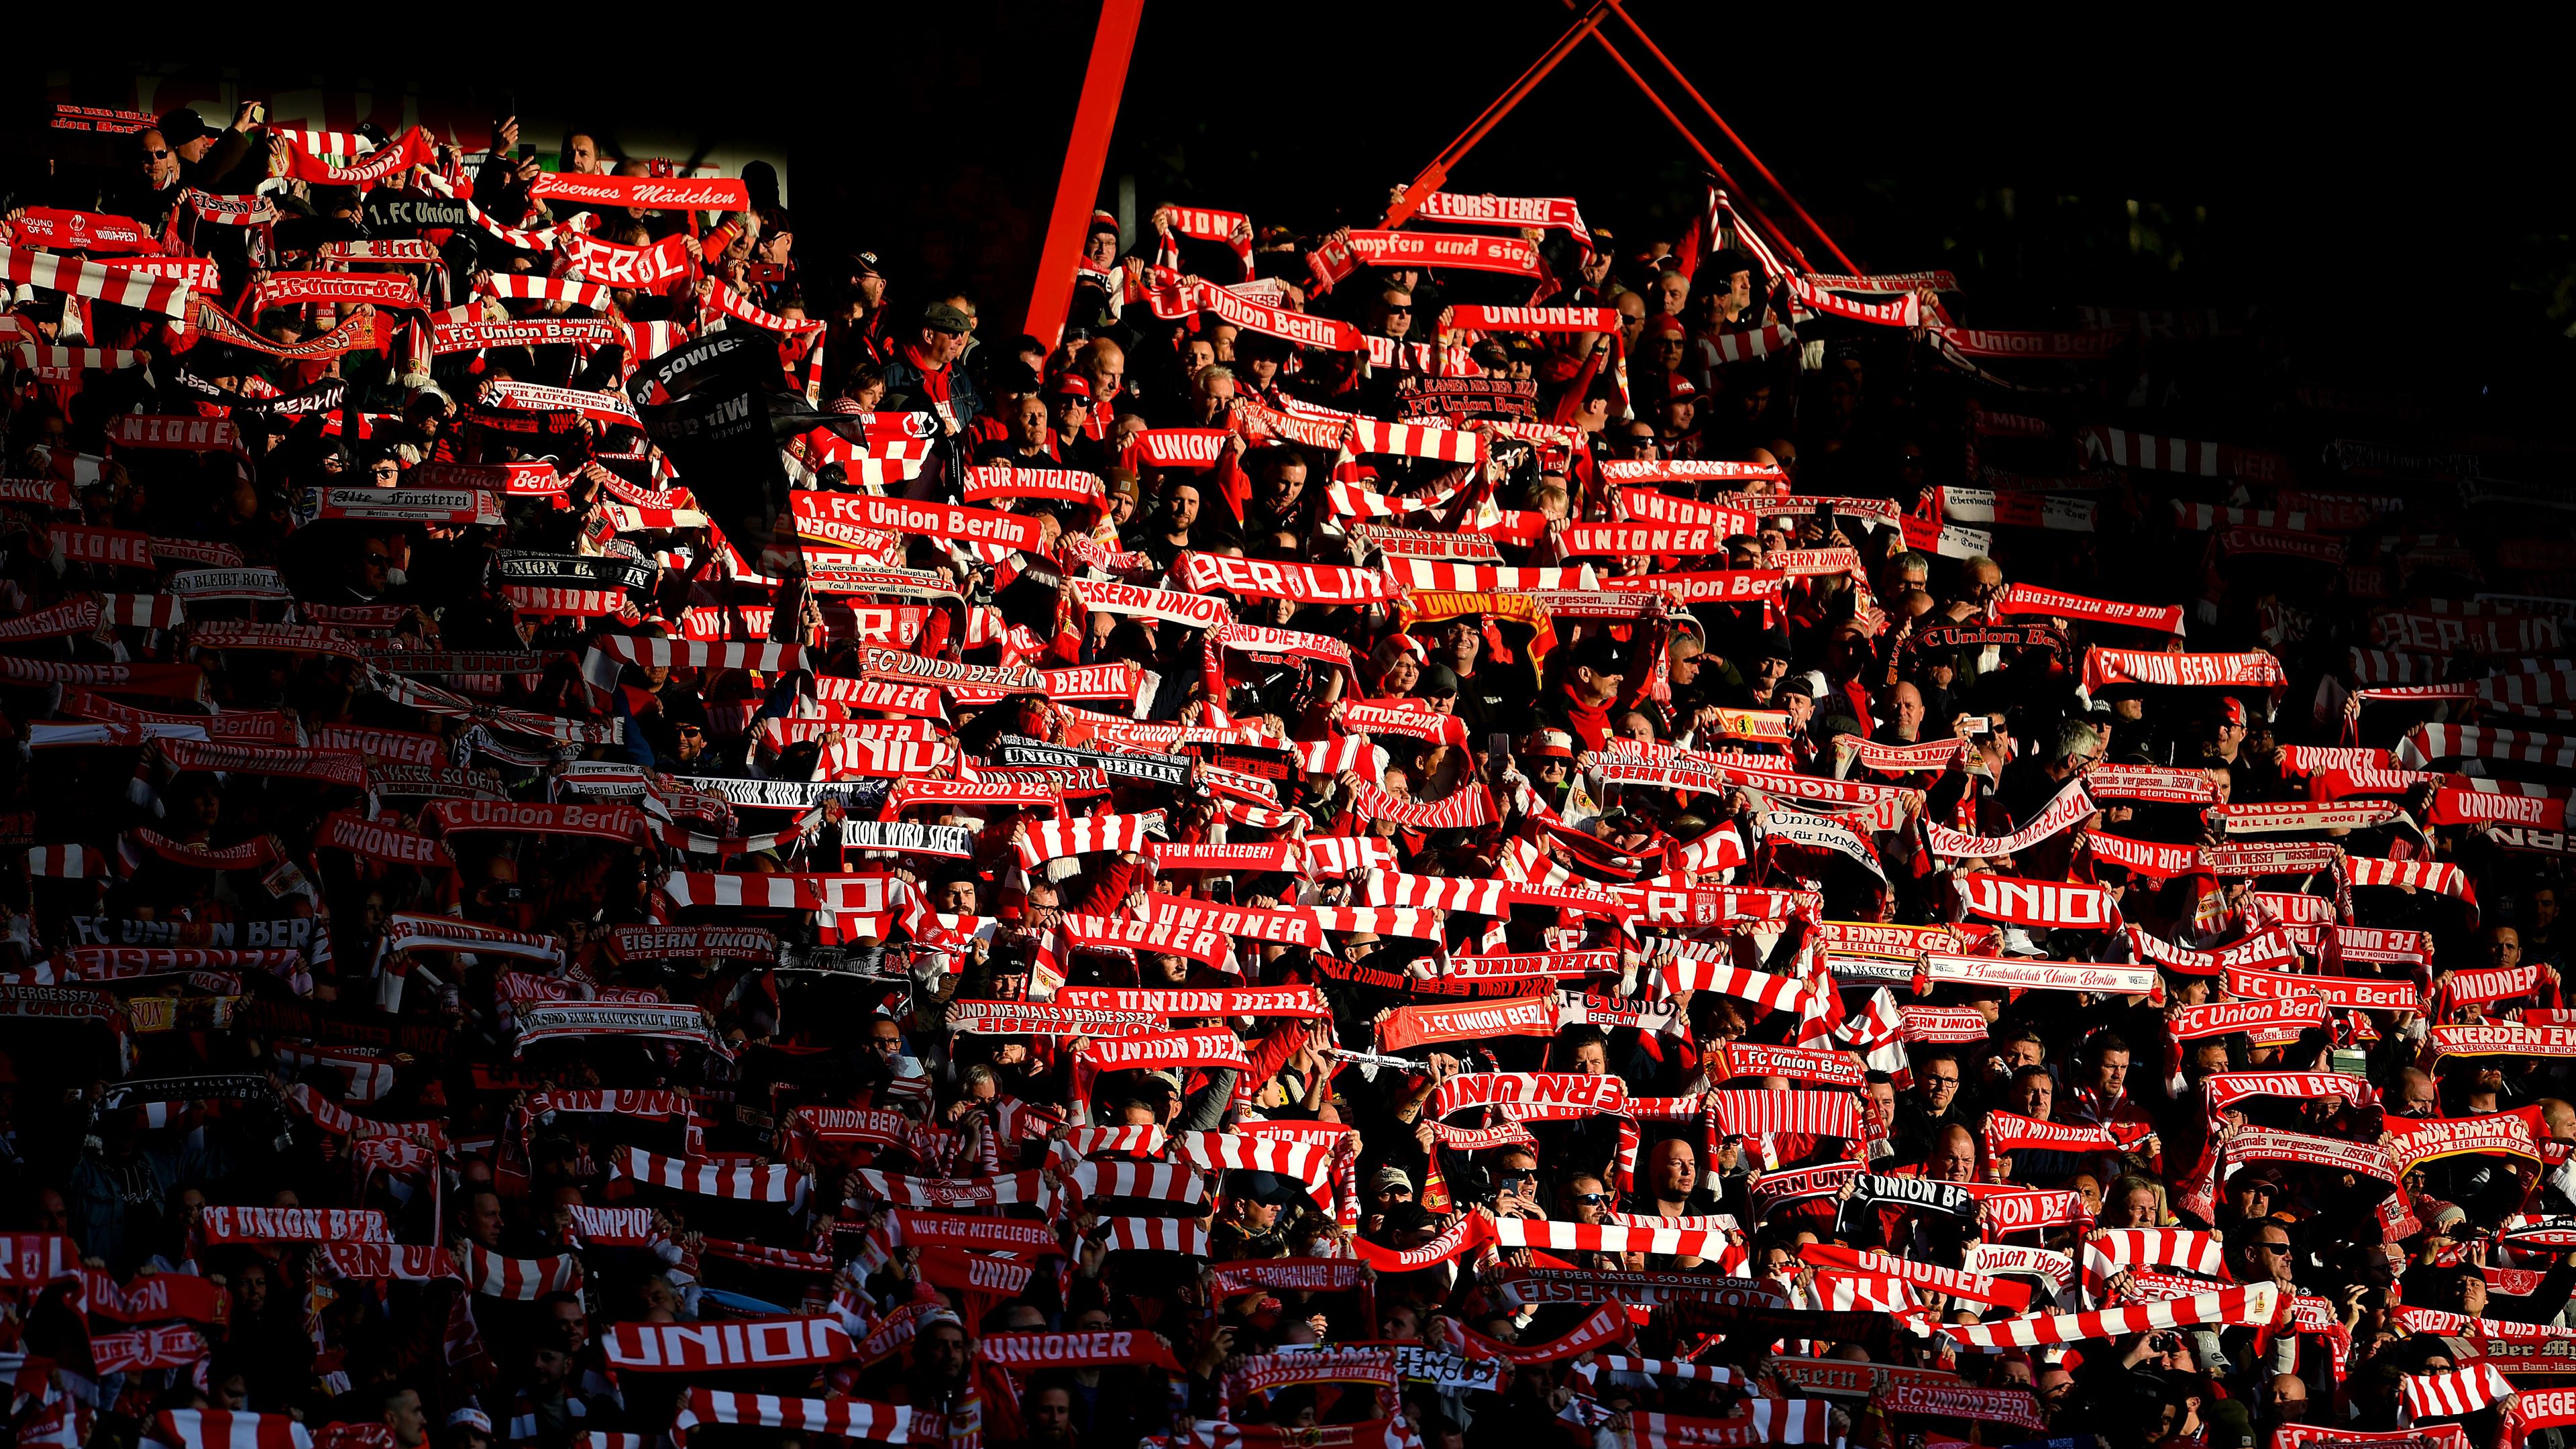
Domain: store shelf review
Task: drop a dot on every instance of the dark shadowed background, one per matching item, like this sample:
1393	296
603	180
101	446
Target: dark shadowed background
2391	196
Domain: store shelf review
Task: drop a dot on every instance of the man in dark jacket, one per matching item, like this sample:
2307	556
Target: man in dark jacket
208	157
923	372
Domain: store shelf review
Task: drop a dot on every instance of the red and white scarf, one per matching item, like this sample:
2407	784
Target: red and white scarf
697	1347
2031	599
2052	905
2105	667
2071	805
2254	1303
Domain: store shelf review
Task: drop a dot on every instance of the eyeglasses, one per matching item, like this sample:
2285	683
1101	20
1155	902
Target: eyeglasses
160	155
2281	1248
1393	311
1941	1081
377	558
1592	1199
1518	1174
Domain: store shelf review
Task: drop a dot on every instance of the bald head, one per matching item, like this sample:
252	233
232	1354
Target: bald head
2559	1117
1675	1170
1954	1156
1905	709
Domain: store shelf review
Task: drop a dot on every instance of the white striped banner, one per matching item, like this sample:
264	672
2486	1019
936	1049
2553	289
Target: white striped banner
1472	578
524	1279
864	895
1564	1237
1438	893
1841	1291
1757	1113
69	862
847	1418
2455	1391
2114	1249
2428	742
1377	921
1055	839
2251	1304
740	1181
1162	1181
145	611
1414	440
1227	1151
2144	450
1348	854
1163	1235
218	1429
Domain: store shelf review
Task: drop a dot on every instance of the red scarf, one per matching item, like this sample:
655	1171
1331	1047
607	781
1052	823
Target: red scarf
934	380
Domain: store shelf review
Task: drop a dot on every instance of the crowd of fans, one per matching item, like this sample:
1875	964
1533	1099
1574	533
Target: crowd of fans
1474	835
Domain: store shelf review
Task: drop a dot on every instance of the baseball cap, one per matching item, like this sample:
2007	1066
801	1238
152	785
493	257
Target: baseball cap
2262	1175
940	317
1603	655
865	264
1550	745
1259	1186
182	126
1808	683
1071	384
1392	1177
1677	388
1436	679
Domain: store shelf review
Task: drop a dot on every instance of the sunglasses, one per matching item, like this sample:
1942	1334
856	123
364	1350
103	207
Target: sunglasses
1518	1174
1399	311
1592	1199
160	155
